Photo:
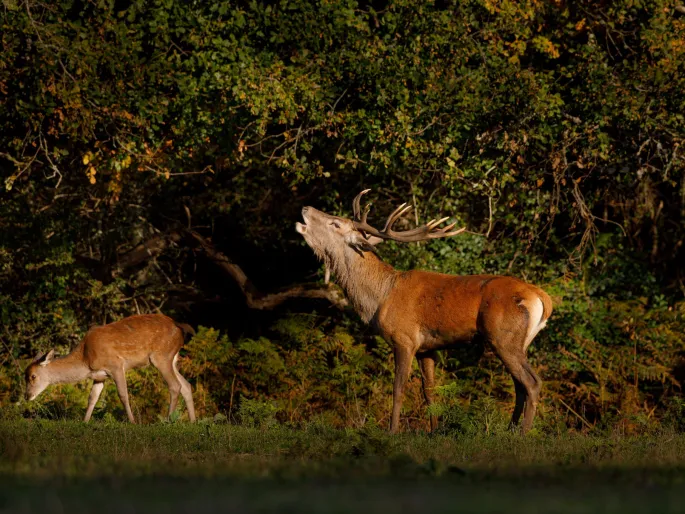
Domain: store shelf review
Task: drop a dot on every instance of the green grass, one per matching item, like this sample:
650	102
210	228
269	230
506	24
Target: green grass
48	467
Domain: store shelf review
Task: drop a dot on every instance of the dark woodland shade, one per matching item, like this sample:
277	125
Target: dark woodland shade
554	128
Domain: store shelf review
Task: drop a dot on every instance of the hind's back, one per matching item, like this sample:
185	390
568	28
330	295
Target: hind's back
131	341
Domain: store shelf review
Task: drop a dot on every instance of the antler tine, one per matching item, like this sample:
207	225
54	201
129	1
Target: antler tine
444	233
428	228
395	215
367	209
428	231
434	223
356	208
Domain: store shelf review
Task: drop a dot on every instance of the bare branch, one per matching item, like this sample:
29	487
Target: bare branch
255	299
146	250
264	301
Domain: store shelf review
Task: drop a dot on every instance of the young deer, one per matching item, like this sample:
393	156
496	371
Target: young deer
110	351
419	312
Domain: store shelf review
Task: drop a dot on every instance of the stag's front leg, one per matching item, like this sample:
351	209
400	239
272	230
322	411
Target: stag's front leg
403	359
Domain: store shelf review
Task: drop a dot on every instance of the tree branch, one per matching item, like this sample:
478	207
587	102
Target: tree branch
255	299
146	250
264	301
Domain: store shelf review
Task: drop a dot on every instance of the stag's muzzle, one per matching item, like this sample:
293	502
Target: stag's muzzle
302	227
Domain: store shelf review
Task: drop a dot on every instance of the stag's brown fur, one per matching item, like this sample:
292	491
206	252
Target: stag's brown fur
110	351
419	312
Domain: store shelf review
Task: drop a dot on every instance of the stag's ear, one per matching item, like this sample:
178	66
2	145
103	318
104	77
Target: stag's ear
359	242
46	359
373	240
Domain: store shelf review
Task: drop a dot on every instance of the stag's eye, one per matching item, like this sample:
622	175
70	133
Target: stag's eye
33	377
335	224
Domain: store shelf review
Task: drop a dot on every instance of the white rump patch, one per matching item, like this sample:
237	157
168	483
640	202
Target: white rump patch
535	322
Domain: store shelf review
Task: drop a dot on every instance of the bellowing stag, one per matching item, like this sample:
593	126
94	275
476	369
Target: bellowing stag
419	312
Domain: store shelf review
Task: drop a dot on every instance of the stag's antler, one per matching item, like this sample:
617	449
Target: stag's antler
428	231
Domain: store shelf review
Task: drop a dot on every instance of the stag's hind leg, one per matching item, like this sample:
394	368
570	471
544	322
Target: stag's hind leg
507	327
527	385
520	391
533	386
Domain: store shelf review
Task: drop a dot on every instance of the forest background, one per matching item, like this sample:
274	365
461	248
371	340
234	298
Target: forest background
155	154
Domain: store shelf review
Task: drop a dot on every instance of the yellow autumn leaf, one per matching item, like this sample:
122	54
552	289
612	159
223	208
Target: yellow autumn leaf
86	159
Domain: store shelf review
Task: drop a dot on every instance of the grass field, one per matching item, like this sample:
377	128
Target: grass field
70	467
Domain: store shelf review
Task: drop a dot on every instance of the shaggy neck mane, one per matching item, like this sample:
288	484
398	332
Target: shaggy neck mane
366	279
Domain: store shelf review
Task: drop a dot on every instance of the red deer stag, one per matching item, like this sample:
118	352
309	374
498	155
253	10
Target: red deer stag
419	312
110	351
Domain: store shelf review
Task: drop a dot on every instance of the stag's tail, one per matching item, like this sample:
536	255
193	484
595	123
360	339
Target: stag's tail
539	311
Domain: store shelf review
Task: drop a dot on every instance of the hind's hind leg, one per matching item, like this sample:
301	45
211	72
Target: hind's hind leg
165	367
186	391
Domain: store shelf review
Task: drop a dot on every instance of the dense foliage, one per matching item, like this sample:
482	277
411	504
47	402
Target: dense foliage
553	130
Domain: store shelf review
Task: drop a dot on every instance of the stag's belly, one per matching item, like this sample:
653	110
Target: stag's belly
447	339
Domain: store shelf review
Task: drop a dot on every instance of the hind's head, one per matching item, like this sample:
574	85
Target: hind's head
37	375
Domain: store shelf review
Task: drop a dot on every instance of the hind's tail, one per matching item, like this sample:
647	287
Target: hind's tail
187	329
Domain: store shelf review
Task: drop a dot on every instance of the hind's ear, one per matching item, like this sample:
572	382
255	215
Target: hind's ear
46	358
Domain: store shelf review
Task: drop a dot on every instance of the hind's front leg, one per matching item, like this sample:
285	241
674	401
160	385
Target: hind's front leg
93	398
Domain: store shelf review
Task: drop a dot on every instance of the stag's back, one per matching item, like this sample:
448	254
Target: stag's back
131	340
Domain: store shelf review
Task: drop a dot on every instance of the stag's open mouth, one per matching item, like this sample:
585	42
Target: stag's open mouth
302	227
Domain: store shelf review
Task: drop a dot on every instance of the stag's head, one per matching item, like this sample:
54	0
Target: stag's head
328	235
331	235
37	375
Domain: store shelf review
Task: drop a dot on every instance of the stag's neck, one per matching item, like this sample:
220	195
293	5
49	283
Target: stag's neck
69	369
366	280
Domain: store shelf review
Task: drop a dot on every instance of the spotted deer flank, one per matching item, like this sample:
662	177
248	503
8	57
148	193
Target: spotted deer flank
109	351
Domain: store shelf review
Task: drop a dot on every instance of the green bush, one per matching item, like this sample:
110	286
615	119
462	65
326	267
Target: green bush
552	130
